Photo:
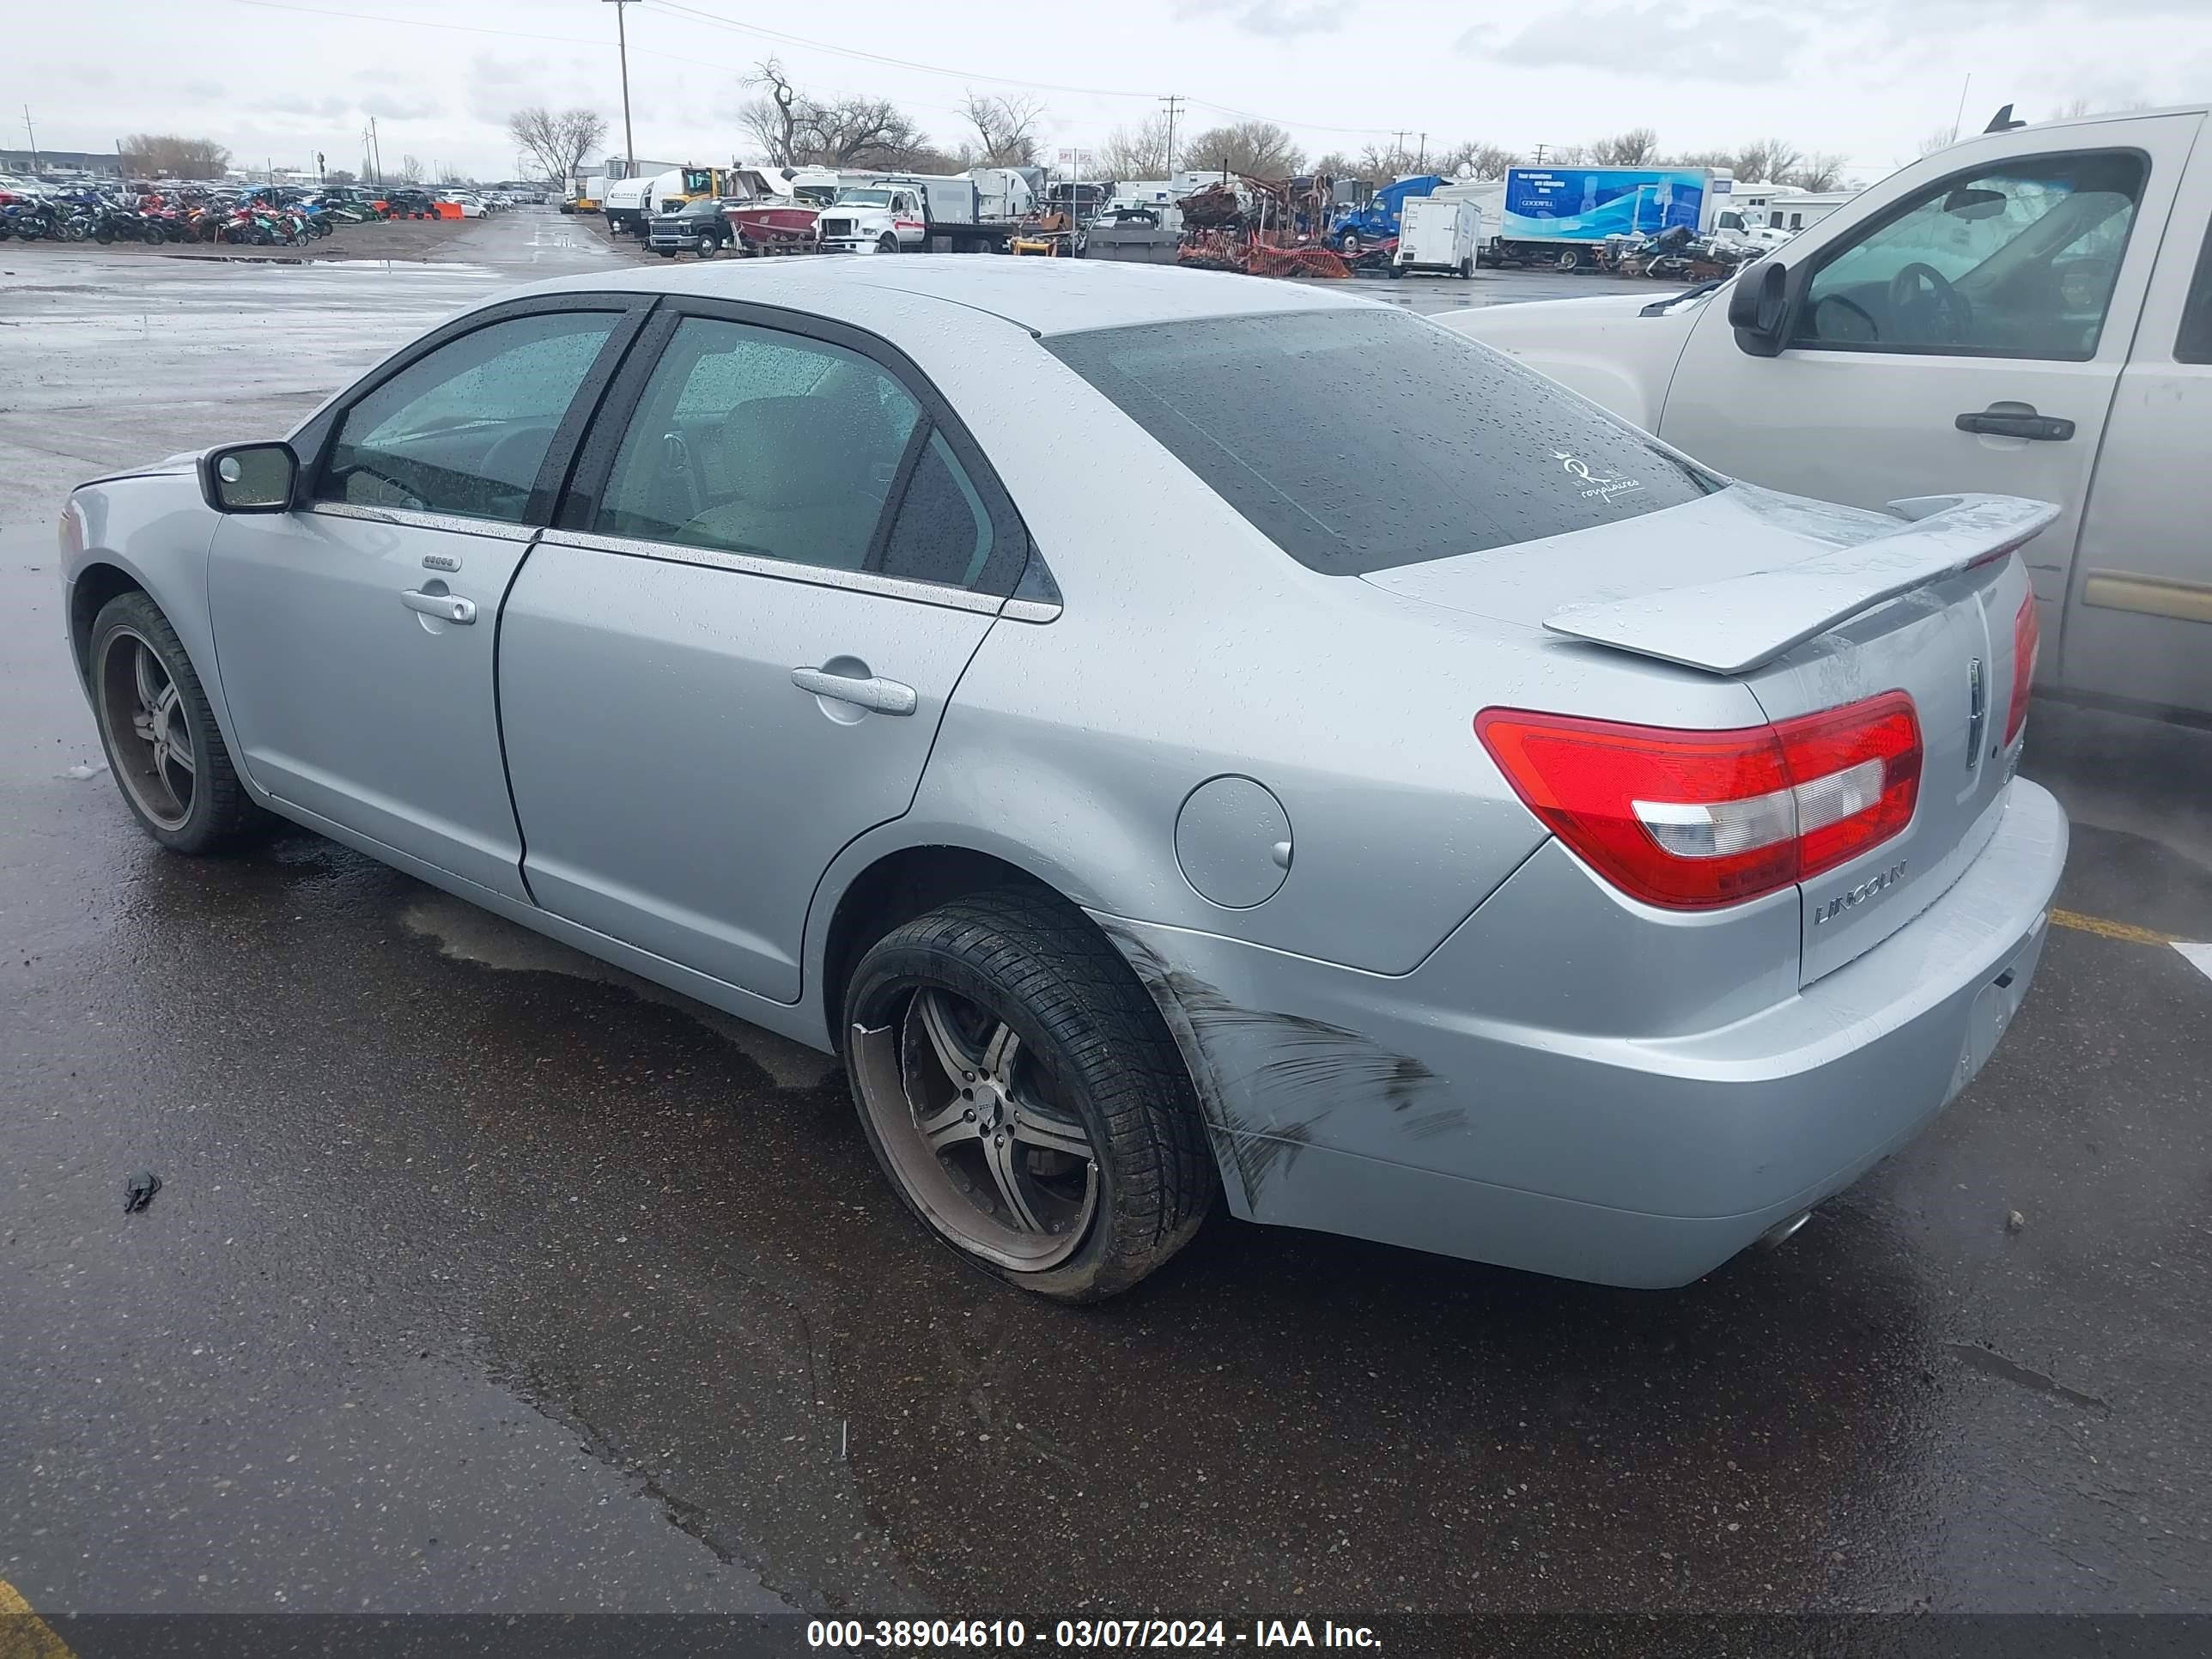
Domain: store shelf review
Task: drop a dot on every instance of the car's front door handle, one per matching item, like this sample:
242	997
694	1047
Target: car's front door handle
446	607
2017	424
880	696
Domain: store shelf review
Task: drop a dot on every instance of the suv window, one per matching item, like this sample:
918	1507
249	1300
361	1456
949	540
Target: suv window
2017	261
2194	343
781	446
1359	439
464	428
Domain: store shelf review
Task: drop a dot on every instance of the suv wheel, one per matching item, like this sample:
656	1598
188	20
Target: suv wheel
1025	1096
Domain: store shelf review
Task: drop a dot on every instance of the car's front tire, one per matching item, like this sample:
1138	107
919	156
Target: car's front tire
163	744
1023	1093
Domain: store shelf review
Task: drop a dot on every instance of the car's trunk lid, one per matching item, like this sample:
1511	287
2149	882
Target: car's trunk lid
1810	607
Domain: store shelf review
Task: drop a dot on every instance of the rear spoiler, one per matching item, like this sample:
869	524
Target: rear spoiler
1734	625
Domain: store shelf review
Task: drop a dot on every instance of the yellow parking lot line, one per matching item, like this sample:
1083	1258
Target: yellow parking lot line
2103	929
23	1634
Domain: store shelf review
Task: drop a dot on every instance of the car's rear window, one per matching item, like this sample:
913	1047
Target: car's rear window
1359	439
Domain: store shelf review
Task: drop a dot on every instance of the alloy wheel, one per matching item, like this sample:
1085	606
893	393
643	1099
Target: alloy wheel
980	1135
143	712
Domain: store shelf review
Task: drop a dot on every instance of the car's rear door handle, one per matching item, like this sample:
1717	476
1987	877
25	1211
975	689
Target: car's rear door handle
880	696
446	607
2017	424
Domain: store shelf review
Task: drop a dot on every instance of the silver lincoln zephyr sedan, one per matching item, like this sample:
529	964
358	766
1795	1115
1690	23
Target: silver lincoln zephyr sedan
1174	736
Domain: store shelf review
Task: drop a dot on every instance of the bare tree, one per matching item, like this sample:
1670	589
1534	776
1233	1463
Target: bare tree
1568	155
164	153
557	142
1258	147
1484	160
410	171
1821	170
1636	147
1941	138
1005	127
339	176
1767	160
1138	152
773	119
2070	110
864	132
797	129
1380	163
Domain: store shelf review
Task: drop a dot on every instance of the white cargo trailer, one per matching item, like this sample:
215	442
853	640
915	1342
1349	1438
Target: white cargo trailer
1438	235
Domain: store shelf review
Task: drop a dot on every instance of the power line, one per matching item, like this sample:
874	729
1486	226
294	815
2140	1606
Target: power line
716	20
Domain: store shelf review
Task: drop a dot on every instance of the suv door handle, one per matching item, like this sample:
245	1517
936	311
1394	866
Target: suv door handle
2017	424
446	607
880	696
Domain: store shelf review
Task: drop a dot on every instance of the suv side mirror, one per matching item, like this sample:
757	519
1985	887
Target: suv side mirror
1758	309
250	477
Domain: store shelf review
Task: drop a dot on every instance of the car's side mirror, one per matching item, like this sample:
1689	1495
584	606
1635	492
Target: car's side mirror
250	477
1758	309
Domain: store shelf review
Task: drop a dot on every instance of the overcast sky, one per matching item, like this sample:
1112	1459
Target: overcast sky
1866	78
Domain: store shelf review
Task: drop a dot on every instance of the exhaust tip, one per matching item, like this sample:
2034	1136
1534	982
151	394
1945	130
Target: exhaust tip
1782	1231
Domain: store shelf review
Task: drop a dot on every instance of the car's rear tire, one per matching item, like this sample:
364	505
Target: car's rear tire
163	746
1023	1093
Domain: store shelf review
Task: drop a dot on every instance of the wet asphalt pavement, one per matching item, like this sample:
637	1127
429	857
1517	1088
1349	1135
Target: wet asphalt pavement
483	1277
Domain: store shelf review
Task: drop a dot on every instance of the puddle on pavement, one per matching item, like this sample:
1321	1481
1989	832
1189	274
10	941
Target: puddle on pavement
462	932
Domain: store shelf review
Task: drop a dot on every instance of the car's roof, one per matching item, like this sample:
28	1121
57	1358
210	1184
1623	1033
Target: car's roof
1047	296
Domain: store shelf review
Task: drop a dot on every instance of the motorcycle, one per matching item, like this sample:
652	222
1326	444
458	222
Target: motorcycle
31	221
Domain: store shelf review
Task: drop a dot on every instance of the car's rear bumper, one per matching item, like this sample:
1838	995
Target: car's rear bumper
1394	1108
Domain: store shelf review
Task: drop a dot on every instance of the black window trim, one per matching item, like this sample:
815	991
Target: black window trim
315	440
1803	276
1013	550
2193	339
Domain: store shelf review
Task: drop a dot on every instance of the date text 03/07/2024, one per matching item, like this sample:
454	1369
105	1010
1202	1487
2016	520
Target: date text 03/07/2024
926	1635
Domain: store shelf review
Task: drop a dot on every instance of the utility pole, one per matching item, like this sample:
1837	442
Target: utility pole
33	131
1174	101
1398	142
622	44
1541	148
376	153
1422	164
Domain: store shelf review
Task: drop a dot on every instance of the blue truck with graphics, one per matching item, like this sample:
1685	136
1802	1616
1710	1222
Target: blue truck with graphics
1562	216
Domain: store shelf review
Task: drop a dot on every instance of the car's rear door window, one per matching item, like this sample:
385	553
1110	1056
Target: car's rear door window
1359	439
754	441
781	445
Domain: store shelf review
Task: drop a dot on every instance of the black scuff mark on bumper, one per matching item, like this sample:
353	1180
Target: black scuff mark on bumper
1313	1068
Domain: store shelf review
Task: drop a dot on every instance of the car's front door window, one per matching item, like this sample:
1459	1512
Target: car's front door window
465	429
2016	261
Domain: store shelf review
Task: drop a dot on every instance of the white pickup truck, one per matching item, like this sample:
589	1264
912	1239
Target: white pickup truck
2027	312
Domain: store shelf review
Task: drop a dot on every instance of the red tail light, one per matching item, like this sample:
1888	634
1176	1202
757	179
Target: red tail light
2027	641
1694	819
